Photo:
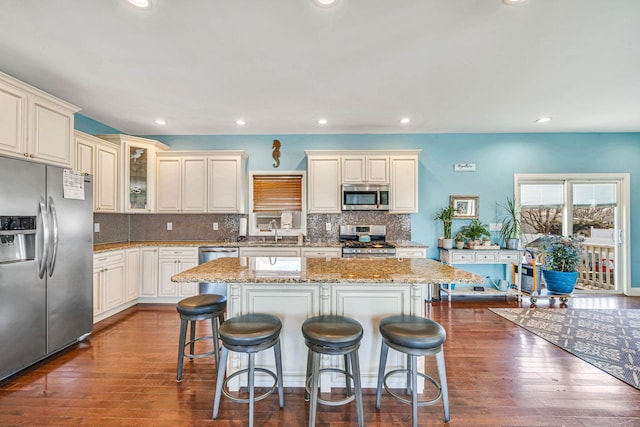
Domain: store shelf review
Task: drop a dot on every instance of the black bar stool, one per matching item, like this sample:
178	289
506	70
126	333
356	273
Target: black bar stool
415	336
192	309
333	335
249	333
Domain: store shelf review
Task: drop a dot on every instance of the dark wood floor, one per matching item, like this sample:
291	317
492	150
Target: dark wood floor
499	375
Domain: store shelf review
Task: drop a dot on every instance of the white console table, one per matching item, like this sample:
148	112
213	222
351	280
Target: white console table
507	257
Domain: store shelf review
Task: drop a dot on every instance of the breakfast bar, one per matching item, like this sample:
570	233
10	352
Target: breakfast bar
295	288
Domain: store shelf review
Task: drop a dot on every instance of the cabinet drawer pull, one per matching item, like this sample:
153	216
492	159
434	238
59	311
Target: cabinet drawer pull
102	259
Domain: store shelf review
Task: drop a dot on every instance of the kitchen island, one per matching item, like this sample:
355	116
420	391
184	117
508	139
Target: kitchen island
294	289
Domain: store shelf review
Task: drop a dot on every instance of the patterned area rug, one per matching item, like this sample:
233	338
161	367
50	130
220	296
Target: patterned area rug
607	339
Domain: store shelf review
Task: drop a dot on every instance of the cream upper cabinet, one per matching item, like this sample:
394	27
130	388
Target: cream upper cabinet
182	183
35	125
201	181
100	159
138	171
403	190
324	183
358	169
226	177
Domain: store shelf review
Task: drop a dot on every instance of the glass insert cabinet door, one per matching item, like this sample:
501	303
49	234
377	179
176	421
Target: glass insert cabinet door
138	177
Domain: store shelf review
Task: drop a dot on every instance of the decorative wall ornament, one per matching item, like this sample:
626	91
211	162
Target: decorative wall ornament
464	167
276	153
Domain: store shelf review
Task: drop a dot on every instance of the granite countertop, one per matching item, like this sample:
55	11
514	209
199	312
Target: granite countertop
326	270
106	247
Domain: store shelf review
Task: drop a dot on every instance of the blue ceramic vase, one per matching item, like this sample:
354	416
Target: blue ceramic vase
560	282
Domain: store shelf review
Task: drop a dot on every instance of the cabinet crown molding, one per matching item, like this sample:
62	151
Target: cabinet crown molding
32	90
121	138
363	152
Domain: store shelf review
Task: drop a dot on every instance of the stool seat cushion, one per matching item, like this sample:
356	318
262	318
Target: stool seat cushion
202	304
412	332
332	331
250	329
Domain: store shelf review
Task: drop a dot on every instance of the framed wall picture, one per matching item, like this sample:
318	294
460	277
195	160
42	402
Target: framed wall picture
465	207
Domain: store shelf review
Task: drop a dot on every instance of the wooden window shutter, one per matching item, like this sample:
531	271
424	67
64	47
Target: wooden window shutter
277	193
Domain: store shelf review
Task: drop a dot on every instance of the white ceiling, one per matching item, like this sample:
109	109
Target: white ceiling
450	65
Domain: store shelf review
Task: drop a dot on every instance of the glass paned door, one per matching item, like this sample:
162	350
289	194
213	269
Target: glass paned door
584	207
594	216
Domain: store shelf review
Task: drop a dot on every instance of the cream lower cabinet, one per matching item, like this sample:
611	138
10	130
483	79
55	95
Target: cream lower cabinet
270	251
35	125
132	282
100	159
321	252
108	283
172	261
411	252
148	272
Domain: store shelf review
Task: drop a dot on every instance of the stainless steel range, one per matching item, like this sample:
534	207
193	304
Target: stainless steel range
365	241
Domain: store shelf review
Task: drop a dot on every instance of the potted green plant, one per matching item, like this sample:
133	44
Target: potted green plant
446	216
562	257
511	225
475	231
460	240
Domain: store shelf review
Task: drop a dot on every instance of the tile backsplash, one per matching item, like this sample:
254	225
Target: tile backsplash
185	227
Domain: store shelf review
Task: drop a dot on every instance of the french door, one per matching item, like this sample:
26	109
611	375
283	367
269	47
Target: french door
594	206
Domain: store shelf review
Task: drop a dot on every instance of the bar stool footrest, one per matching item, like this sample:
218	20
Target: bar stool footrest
408	401
199	355
256	398
349	398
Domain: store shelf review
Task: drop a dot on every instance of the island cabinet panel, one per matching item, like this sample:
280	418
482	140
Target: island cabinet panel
295	302
368	307
292	304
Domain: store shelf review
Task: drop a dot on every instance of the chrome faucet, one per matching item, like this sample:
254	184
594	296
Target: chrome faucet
273	225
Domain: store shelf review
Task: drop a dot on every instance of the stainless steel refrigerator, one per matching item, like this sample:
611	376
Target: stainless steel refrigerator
46	263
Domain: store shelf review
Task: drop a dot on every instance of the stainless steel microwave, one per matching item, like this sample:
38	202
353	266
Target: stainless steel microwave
363	197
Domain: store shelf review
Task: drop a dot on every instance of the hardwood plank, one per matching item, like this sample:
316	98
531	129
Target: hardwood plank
499	375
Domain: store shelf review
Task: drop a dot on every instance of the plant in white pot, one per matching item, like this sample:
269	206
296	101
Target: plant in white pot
446	216
562	257
511	225
460	240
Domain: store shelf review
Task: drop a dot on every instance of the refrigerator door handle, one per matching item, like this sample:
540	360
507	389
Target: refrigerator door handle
53	217
42	249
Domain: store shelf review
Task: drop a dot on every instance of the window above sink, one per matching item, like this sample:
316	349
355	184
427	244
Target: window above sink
277	202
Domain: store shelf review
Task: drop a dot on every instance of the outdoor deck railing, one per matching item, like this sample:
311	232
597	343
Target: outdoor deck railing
596	269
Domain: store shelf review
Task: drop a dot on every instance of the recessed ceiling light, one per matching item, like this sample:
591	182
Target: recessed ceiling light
324	3
405	120
241	122
512	2
543	120
142	4
160	122
322	121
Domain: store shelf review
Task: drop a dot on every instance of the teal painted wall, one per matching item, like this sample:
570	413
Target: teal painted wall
497	157
90	126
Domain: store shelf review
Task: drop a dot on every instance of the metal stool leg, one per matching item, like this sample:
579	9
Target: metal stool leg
315	376
193	337
250	380
346	375
442	373
220	381
355	372
384	350
307	373
278	354
216	344
183	337
413	366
